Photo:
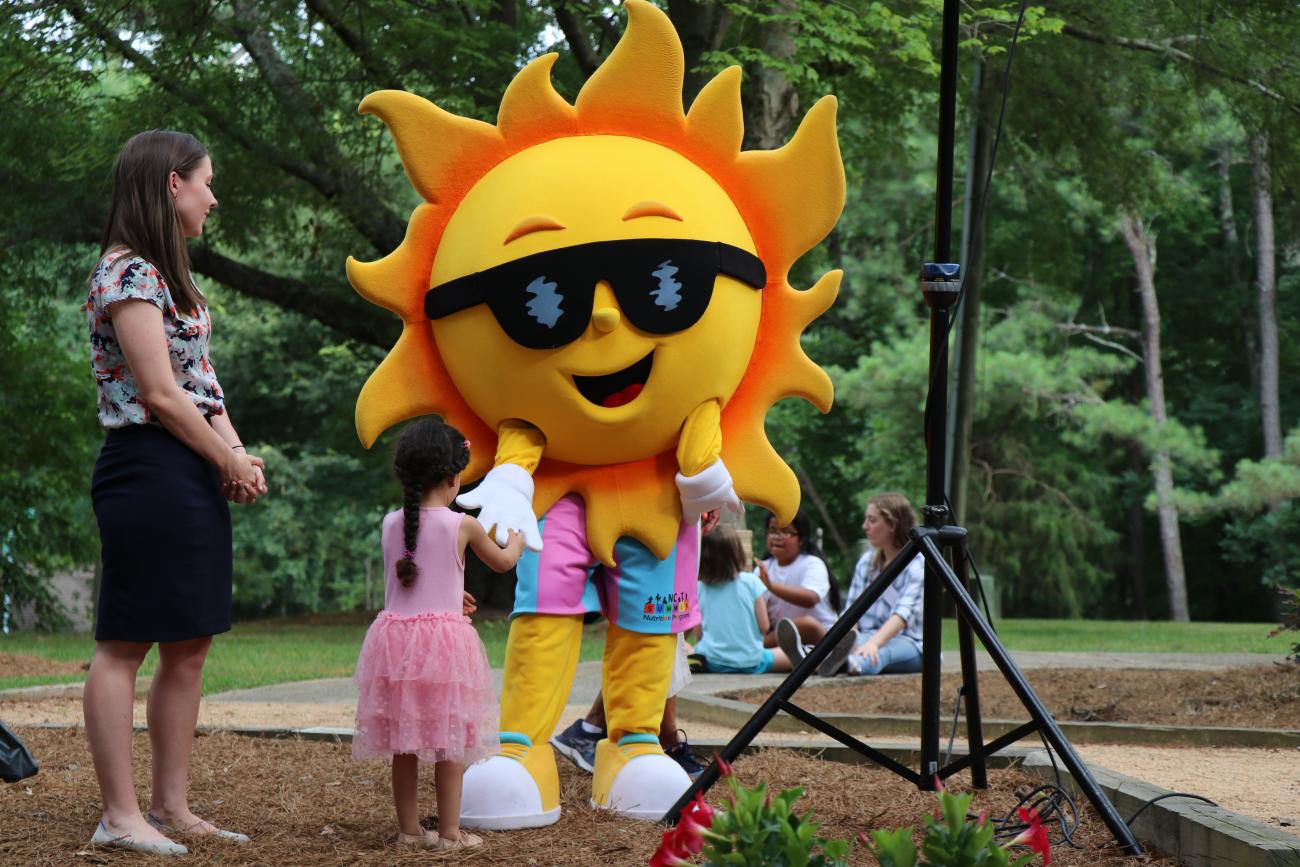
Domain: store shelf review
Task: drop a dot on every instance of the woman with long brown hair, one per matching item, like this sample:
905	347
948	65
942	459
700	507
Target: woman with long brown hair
170	461
888	635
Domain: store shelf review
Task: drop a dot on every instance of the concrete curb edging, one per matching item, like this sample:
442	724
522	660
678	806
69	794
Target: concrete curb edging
734	714
1198	834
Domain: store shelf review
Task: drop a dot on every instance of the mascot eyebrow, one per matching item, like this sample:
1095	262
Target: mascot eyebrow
651	208
528	225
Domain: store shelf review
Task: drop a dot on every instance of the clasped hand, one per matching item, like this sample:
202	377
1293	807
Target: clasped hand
243	479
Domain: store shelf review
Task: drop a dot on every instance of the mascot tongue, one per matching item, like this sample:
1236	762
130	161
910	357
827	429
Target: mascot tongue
622	396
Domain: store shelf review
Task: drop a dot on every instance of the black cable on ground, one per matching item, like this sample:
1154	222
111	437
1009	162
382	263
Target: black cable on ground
1131	819
1151	801
1050	802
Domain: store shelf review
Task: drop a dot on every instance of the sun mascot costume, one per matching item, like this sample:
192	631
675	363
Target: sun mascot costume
596	294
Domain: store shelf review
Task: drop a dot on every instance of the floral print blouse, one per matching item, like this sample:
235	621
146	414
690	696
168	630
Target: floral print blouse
119	277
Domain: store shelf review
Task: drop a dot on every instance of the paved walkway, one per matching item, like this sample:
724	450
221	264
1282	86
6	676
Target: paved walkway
586	682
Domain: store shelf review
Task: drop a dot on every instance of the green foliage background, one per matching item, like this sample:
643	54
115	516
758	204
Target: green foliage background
1062	439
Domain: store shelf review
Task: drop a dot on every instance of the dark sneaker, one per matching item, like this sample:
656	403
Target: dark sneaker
833	663
578	745
682	755
787	638
698	664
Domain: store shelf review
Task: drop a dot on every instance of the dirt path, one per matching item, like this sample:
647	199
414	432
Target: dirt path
1261	783
309	803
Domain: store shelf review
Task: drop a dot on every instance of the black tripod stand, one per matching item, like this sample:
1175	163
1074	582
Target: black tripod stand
941	287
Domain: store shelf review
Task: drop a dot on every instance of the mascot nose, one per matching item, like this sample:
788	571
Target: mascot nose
606	319
607	315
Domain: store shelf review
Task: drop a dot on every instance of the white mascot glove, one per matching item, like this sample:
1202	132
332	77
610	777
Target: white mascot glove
710	488
505	497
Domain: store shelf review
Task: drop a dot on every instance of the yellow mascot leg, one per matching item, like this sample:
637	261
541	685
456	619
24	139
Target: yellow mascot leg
520	787
633	776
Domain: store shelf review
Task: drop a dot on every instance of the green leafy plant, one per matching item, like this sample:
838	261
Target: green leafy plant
757	829
953	840
761	829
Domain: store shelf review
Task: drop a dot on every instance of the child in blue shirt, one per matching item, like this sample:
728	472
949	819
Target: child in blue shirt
734	612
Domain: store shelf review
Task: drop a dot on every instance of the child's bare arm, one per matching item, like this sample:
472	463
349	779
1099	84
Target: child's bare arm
760	614
495	557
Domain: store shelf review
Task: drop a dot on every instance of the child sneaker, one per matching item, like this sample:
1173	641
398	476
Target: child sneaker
682	755
578	745
787	638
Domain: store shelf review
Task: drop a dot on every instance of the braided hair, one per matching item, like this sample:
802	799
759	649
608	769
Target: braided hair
429	452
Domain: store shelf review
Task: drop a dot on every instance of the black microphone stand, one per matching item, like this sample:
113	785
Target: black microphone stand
941	286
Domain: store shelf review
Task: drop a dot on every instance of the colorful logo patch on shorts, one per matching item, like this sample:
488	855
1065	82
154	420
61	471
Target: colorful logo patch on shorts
663	609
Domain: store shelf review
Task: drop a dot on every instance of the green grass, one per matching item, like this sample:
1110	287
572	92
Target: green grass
1130	636
276	651
264	651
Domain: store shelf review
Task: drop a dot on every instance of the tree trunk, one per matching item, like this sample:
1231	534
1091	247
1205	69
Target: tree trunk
1142	248
1266	281
1232	246
701	25
771	102
1137	545
968	328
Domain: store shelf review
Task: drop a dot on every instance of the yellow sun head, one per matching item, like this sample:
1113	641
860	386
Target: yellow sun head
601	269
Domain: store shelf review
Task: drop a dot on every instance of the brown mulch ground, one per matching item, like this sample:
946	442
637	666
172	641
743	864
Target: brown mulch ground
20	665
307	802
1259	697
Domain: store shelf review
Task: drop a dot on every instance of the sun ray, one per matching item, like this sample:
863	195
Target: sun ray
531	109
716	116
657	107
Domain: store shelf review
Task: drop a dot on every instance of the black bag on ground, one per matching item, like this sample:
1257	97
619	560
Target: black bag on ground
16	762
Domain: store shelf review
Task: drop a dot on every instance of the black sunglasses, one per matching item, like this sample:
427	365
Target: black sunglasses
544	300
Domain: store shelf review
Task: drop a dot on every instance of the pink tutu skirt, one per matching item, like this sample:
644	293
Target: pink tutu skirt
426	689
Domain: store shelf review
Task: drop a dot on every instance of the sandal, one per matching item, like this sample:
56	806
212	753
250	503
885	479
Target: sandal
466	840
427	840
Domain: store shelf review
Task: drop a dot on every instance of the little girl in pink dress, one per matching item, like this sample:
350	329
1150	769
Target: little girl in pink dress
426	688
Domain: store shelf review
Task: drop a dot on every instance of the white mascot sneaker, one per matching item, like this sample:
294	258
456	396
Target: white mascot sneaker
518	788
636	779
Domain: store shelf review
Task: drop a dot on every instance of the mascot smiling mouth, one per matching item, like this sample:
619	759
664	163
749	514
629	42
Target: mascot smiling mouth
618	388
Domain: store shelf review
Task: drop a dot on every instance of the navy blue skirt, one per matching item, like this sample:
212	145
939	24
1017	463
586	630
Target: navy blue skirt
165	533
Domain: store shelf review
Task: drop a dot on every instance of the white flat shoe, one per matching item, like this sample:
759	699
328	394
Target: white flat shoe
105	837
427	840
232	836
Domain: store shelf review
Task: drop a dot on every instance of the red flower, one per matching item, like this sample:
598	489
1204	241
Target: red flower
698	815
669	853
724	767
1035	835
695	819
687	839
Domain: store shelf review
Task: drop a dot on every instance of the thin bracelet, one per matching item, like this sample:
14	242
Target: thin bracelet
239	446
